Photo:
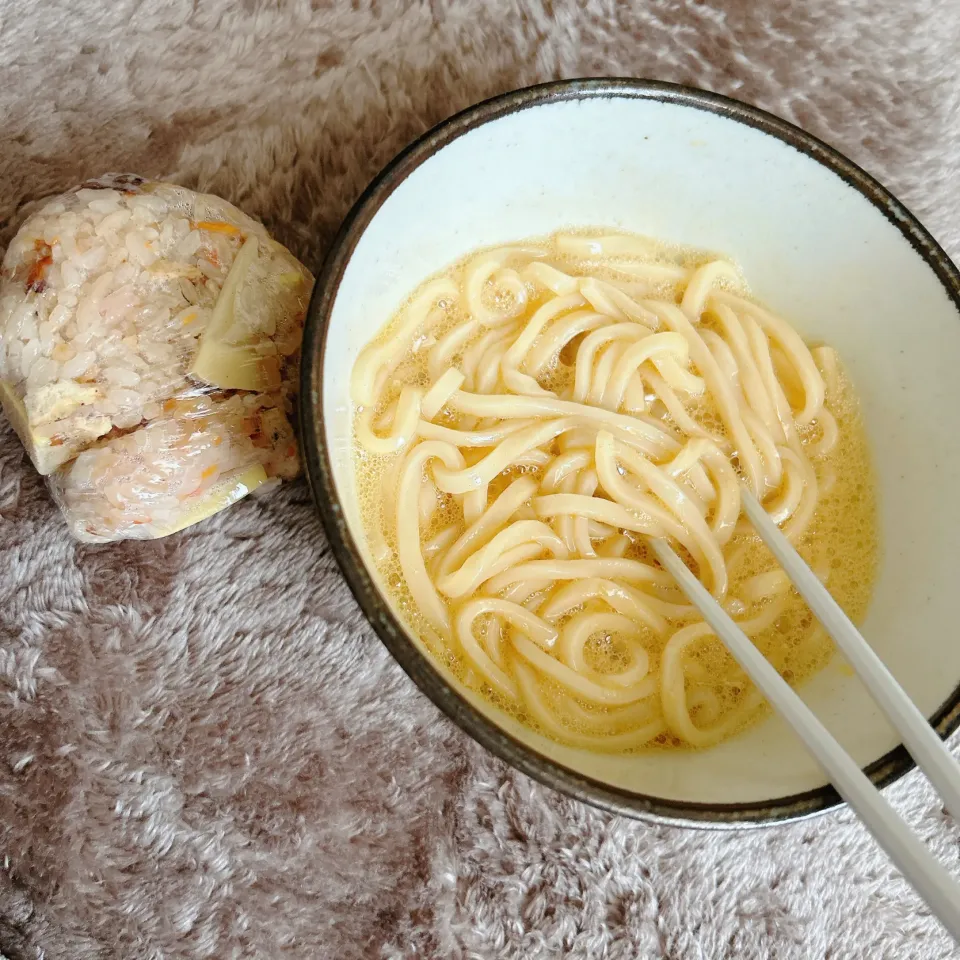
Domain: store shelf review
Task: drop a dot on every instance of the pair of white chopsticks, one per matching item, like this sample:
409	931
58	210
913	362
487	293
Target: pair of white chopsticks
917	864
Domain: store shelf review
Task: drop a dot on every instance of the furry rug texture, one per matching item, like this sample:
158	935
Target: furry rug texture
204	750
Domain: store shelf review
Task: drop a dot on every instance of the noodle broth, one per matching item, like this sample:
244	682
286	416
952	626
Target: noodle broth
533	414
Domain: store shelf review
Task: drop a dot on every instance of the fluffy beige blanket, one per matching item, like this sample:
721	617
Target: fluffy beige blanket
204	751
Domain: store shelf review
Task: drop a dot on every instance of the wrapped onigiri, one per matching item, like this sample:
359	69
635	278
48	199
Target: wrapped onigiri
149	351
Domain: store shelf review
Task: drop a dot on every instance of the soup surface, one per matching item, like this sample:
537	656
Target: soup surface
532	416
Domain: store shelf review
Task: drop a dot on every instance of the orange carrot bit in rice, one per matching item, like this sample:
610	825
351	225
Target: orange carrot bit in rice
36	278
169	405
216	226
208	473
212	257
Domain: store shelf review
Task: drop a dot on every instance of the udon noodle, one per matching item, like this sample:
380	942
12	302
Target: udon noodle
532	416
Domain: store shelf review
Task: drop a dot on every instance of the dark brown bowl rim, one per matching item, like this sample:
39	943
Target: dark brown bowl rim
882	772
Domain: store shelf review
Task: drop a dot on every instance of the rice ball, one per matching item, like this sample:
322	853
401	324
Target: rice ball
149	352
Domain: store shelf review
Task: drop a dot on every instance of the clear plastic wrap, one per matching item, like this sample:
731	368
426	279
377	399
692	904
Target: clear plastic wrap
149	351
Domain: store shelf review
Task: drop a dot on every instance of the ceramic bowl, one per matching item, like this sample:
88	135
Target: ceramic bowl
818	240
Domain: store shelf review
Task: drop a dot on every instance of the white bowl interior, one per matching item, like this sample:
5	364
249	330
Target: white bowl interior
814	249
